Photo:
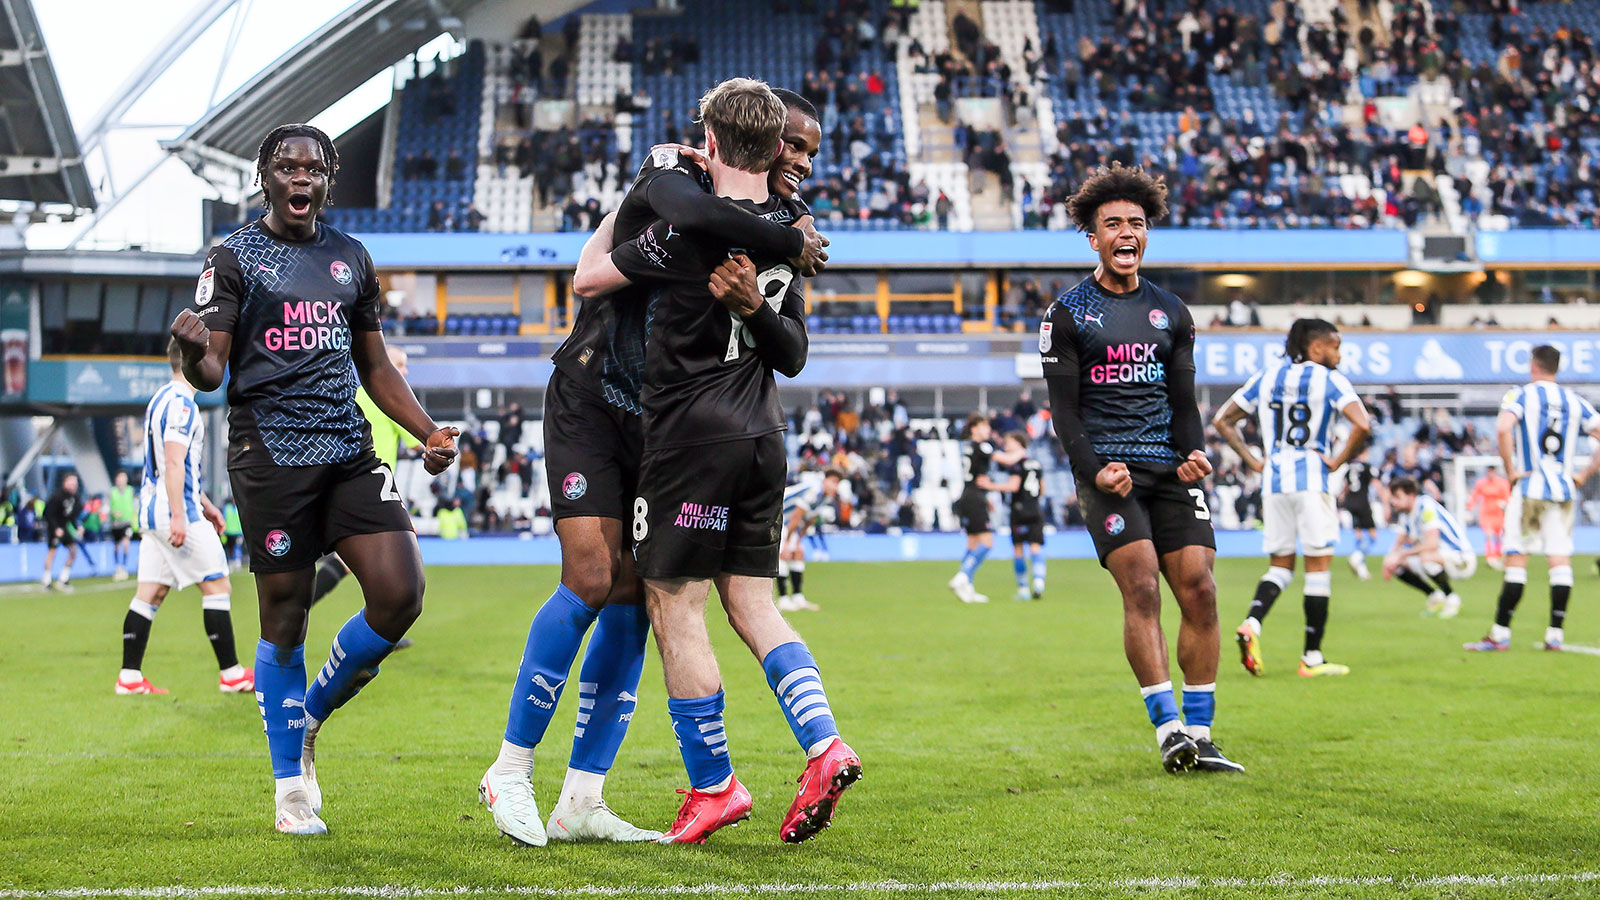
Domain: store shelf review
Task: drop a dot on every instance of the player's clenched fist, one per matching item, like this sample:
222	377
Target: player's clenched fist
191	333
440	451
1195	467
1115	479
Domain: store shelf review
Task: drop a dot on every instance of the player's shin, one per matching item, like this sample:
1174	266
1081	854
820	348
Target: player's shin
608	687
352	663
702	741
135	637
793	676
1019	566
1163	709
215	613
1414	580
1199	709
1039	569
1319	585
553	639
1560	594
1267	590
797	575
281	695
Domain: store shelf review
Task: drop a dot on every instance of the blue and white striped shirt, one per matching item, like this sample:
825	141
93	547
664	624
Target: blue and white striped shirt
802	496
1430	515
1297	406
1550	419
171	416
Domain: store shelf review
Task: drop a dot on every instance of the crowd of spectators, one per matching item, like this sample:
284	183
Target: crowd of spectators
1533	115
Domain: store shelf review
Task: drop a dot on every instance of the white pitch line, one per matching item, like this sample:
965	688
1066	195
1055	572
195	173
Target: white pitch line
35	589
1579	648
391	892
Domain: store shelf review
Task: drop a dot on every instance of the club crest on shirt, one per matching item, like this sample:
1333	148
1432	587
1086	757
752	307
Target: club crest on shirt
1159	320
574	486
206	287
341	272
1044	335
1114	524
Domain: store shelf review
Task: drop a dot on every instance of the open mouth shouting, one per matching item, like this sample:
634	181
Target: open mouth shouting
1125	253
299	204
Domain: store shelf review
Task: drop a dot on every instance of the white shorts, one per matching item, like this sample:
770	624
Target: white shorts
1310	518
201	557
1457	565
1538	526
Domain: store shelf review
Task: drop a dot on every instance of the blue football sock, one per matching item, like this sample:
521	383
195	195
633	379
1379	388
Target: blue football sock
702	739
792	674
608	686
1199	704
553	640
973	559
1162	706
1039	566
1020	566
281	696
352	662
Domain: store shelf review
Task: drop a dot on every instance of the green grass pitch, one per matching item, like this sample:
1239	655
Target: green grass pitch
1007	753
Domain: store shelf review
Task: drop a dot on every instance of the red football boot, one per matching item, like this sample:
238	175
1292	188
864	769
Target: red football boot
702	813
824	779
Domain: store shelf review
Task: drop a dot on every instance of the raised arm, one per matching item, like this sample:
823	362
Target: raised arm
597	275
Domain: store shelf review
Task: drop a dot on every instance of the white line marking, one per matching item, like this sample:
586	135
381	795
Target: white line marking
1570	648
36	589
896	887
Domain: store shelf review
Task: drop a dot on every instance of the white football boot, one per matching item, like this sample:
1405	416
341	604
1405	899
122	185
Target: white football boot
592	820
510	799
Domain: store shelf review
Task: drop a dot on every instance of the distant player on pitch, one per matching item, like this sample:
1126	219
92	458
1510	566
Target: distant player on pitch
180	545
1431	550
1118	354
1357	501
972	507
1297	402
805	507
1539	427
1024	486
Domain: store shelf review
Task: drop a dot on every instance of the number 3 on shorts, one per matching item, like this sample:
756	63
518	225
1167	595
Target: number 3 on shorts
641	527
1201	511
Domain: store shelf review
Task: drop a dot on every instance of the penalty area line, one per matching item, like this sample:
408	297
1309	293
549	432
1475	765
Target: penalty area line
393	892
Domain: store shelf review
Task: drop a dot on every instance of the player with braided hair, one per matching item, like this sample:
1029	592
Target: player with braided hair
288	307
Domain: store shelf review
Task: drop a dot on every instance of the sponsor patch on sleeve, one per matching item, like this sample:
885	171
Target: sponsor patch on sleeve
206	287
1044	335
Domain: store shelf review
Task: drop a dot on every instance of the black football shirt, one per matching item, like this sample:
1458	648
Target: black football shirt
976	458
704	381
292	308
606	349
1122	347
1358	479
1025	500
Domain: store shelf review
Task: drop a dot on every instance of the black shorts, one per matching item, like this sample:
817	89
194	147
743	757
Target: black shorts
972	508
1160	508
119	532
292	515
1361	516
591	452
1027	531
710	509
67	537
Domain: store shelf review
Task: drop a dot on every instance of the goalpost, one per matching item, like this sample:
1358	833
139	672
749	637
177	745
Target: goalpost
1462	472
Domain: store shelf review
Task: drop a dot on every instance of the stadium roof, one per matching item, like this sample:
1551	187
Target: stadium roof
36	134
335	60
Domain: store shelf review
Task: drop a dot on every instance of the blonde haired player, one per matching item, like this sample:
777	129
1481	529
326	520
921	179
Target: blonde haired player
1539	426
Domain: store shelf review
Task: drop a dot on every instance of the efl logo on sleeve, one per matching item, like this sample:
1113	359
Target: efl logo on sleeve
204	290
1044	336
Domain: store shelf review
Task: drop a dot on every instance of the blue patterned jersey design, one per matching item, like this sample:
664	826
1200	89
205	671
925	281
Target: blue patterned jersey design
1122	348
293	309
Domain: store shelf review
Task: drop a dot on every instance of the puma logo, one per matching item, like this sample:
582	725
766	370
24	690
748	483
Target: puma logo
291	703
547	686
626	697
